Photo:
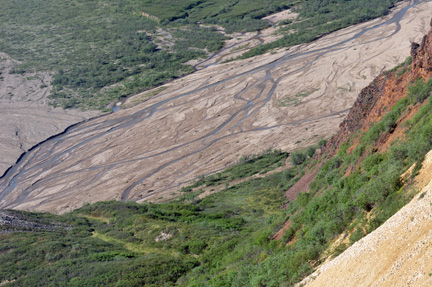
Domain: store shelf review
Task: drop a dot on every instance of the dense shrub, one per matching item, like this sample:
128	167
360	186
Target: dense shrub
297	158
420	90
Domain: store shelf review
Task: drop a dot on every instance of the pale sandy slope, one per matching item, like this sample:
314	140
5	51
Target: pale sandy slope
398	253
206	121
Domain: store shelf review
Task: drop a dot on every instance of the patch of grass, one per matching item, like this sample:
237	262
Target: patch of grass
296	100
419	90
406	63
146	96
133	246
248	165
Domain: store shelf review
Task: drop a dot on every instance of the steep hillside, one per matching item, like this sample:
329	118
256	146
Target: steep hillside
395	254
164	139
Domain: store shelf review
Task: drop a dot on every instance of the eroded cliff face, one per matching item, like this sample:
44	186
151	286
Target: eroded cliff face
371	105
385	91
359	114
422	56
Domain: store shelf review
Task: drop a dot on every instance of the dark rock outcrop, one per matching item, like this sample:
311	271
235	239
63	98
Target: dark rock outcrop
357	117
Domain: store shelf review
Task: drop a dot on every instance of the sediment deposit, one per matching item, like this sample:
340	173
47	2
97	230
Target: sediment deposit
205	121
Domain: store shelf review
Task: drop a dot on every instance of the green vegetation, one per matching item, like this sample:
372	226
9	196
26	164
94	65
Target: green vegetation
242	15
198	37
100	51
89	45
317	18
225	239
128	244
296	100
75	258
298	157
420	90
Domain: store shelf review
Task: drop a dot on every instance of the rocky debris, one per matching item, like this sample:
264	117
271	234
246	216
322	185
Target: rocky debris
11	221
163	236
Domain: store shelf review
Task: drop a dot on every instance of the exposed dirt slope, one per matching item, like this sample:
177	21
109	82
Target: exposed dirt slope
204	122
396	254
386	90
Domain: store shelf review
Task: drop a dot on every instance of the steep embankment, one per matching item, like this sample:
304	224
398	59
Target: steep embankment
206	121
396	253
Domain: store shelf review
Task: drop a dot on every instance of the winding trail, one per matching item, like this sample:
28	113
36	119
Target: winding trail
206	121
